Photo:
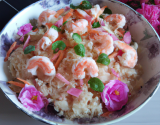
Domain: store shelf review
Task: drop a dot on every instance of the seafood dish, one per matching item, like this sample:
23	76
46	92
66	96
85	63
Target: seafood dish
81	59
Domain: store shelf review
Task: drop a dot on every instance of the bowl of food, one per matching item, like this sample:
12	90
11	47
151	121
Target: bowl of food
79	62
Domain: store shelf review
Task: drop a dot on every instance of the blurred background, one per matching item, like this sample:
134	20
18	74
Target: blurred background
11	115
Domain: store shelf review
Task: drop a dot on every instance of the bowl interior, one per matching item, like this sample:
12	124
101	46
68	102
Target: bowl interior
142	33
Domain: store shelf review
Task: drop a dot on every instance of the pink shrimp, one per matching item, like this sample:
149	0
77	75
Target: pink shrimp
79	26
44	43
81	14
42	62
129	57
78	69
102	41
52	34
46	17
115	21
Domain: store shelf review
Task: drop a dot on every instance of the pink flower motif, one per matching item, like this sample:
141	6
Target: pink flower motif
151	13
115	95
32	99
24	29
157	2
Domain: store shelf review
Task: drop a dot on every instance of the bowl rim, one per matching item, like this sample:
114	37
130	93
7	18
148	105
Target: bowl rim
44	120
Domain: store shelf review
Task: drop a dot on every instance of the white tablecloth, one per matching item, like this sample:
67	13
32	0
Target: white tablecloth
148	115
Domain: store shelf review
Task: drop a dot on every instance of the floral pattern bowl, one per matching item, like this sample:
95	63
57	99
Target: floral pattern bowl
142	32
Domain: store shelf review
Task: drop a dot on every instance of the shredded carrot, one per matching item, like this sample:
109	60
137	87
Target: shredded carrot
16	47
10	50
59	12
121	31
106	114
101	11
119	79
49	25
23	81
35	30
59	59
70	13
60	36
16	83
114	54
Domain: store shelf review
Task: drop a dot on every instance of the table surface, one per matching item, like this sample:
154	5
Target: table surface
10	115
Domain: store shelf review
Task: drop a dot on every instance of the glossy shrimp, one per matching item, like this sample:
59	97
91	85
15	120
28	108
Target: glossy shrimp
81	14
41	62
79	26
49	37
129	57
103	42
85	63
115	21
46	17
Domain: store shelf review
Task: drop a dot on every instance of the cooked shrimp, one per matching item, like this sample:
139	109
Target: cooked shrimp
52	34
42	62
115	21
46	17
81	14
103	42
44	43
129	57
78	69
79	26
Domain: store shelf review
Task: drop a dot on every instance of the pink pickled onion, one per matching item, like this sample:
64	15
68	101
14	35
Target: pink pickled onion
74	92
101	22
127	37
59	22
26	42
81	82
114	73
67	8
55	56
22	38
120	53
114	37
60	77
100	29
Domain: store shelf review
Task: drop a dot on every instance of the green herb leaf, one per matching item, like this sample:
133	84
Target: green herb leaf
96	84
77	37
29	49
60	45
96	25
103	58
73	7
85	5
56	28
101	16
107	11
80	50
120	37
34	27
65	22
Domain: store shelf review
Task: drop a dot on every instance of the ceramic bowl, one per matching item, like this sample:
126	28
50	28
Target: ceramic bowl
142	32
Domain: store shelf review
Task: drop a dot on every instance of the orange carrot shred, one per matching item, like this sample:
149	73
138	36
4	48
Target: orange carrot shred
59	12
101	11
70	13
49	25
35	30
114	54
16	83
59	59
23	81
10	50
106	114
